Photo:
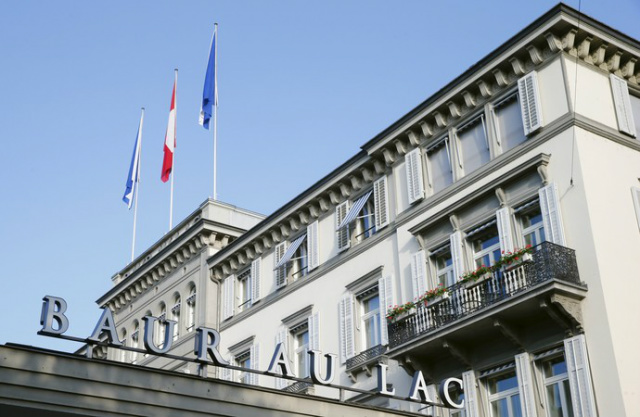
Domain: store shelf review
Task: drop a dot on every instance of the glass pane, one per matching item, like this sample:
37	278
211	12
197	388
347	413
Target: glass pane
635	108
473	142
509	124
515	406
554	402
555	366
500	408
371	304
503	383
440	166
567	405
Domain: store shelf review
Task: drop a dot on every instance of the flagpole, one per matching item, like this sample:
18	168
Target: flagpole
173	166
215	113
136	190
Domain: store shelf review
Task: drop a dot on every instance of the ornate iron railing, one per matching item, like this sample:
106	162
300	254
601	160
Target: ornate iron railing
299	387
366	356
548	261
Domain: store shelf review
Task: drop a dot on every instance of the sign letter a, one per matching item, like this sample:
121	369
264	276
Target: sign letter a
108	326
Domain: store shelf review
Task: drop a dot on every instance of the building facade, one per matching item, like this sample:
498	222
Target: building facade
534	147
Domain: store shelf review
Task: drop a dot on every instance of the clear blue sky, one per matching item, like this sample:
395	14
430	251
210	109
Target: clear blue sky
302	86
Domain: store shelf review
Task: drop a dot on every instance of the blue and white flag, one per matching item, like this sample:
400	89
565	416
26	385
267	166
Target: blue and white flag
210	93
134	170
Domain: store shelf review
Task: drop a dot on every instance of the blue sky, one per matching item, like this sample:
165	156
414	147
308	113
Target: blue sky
302	86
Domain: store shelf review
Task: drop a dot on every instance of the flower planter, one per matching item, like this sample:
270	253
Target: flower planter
402	316
437	300
474	283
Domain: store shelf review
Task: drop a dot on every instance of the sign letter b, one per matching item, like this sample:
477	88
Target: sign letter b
53	309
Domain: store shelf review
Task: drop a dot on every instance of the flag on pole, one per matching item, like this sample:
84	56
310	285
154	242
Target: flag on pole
170	137
134	170
210	93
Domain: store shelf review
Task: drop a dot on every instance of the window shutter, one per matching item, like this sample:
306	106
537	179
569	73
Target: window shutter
254	352
415	182
312	246
347	348
343	234
622	103
503	218
283	337
385	291
256	271
635	194
418	273
380	201
470	394
530	102
551	215
228	287
281	272
314	331
457	254
525	383
582	397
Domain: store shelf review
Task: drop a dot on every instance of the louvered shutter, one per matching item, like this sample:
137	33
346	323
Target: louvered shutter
530	102
283	337
415	182
582	397
343	234
347	342
228	287
385	291
525	383
254	352
256	272
635	194
381	203
470	394
312	246
622	104
418	274
551	214
280	272
503	219
457	254
314	331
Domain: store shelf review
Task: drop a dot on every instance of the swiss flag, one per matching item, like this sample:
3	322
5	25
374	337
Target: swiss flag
170	137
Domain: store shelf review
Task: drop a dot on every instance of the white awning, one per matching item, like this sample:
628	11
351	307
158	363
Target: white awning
355	210
290	251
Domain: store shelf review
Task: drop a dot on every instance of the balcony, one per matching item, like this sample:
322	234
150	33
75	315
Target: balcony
515	302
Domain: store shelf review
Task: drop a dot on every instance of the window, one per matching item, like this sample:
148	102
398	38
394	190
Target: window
556	386
365	217
134	341
440	169
175	316
474	145
244	290
296	258
370	318
531	223
504	395
244	361
444	267
508	123
300	347
123	353
485	242
160	323
191	309
245	354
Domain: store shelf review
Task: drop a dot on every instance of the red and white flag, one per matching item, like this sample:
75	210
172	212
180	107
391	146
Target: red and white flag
170	137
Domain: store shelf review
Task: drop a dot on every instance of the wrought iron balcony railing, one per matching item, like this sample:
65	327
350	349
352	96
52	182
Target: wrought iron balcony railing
549	261
365	357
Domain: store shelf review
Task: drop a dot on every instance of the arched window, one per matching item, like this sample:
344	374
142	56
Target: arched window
175	316
191	306
134	340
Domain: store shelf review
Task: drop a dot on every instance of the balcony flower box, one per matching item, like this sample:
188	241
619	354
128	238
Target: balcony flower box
481	279
436	300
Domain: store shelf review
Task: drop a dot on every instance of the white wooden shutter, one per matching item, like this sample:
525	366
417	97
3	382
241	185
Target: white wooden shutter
635	194
380	202
505	232
457	254
312	246
415	182
254	352
347	342
283	337
385	292
280	272
418	273
256	272
575	350
622	104
314	331
470	394
525	383
228	289
343	234
530	102
551	214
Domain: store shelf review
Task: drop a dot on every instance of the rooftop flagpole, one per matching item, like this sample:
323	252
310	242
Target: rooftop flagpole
136	190
175	128
209	106
169	147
